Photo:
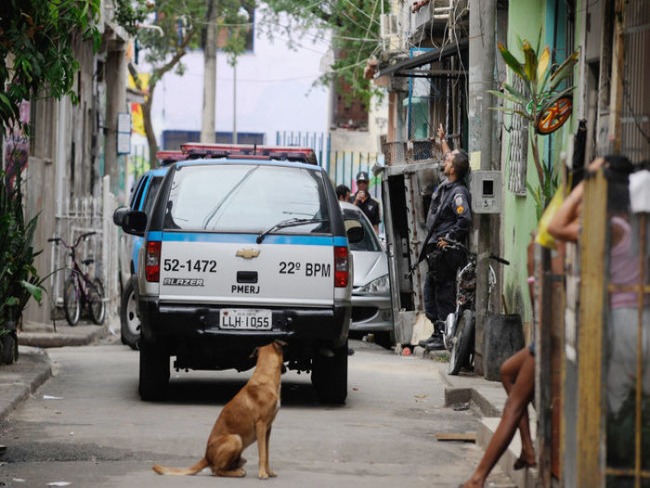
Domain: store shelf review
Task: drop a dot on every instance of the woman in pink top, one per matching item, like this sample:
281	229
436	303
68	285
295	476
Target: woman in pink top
625	269
625	266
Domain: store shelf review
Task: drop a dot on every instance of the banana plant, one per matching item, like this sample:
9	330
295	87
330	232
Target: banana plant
544	101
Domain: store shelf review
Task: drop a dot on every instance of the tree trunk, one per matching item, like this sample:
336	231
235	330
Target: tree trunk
148	128
210	75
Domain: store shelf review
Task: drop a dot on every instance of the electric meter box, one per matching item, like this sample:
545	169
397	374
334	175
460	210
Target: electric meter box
486	190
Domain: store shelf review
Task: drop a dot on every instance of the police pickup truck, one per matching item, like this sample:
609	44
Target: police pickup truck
244	244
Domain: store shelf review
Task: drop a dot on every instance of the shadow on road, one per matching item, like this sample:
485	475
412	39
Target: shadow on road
296	391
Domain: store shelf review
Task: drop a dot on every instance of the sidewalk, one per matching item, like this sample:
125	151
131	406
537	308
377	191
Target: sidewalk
33	368
488	398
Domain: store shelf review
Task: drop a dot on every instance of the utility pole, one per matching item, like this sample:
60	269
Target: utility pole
209	75
482	33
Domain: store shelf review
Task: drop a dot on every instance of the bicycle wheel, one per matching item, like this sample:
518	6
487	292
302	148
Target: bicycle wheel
462	343
71	303
554	115
96	301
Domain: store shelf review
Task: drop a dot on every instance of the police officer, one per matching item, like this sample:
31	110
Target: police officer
343	193
365	202
449	217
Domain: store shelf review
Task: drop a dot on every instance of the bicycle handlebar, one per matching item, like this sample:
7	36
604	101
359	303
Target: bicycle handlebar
83	236
461	246
500	260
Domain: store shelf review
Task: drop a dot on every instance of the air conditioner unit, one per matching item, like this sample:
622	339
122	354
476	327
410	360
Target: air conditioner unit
388	26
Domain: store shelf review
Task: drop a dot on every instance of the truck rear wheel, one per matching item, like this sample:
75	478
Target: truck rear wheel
330	376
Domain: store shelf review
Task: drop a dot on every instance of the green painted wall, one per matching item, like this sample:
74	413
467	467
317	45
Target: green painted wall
526	19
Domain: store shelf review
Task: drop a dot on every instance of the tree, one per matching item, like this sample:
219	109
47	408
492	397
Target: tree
355	35
36	47
37	40
355	26
171	31
543	101
36	56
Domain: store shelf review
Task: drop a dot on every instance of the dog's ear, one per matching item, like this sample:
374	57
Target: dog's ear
280	343
255	353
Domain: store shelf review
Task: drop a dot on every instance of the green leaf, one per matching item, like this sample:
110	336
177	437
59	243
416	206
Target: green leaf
530	65
557	96
506	96
522	97
564	70
543	65
35	291
512	62
508	110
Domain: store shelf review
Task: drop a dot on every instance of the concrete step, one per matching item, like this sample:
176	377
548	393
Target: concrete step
524	478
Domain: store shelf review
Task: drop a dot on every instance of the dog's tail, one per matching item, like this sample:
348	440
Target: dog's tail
201	465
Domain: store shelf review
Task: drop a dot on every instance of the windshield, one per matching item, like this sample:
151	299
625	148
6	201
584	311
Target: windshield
245	198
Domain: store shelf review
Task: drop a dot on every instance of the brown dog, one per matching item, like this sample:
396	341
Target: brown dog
244	419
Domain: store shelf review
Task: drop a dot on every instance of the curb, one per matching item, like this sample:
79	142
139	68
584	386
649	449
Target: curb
19	380
33	367
44	340
46	336
488	398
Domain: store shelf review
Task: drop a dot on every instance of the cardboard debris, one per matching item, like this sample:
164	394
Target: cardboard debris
456	436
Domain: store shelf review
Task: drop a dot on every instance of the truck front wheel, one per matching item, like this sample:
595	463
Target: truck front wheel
154	370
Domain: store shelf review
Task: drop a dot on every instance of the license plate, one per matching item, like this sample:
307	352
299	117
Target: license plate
245	319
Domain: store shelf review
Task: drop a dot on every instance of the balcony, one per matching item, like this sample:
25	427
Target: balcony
433	19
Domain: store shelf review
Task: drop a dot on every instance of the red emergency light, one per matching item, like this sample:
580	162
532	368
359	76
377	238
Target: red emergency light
197	150
169	157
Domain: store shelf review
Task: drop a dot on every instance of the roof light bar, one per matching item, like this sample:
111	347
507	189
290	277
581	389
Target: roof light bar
286	153
169	157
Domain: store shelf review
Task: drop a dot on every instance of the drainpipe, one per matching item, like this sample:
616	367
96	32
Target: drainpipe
60	161
481	78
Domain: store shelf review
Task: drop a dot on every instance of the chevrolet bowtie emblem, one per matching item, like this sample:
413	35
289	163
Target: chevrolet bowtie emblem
248	253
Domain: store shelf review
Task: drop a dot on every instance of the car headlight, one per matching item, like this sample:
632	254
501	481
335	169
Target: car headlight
379	286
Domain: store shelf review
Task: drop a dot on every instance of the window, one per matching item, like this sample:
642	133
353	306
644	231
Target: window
246	198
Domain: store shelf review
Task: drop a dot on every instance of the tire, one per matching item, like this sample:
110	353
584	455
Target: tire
461	348
97	304
385	339
154	371
330	376
129	320
71	301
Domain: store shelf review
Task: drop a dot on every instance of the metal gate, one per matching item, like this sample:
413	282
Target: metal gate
78	216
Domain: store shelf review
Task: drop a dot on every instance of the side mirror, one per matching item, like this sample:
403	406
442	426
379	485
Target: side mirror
118	215
355	234
134	222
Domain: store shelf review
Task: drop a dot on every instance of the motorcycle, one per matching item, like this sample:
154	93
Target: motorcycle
458	335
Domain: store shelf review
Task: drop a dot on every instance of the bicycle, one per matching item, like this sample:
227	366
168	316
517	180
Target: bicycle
80	291
458	336
552	110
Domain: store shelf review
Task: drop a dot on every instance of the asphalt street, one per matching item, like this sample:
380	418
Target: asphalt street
34	368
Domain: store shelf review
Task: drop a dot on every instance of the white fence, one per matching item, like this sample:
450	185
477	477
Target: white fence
77	217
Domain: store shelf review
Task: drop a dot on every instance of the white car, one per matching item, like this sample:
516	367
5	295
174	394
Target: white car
371	299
